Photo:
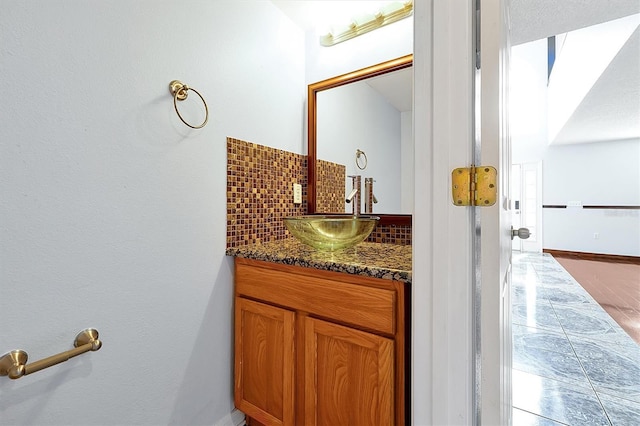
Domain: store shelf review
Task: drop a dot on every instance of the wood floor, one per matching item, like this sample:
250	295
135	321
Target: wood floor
615	286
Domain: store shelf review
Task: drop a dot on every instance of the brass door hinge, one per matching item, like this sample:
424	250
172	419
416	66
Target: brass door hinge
474	186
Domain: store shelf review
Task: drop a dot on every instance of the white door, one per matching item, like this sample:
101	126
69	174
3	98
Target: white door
495	221
526	203
516	196
454	381
531	206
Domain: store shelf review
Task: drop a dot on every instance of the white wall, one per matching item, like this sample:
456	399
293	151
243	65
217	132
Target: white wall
604	173
113	212
528	102
346	126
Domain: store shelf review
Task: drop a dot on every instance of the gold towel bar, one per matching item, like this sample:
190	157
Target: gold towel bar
180	91
14	363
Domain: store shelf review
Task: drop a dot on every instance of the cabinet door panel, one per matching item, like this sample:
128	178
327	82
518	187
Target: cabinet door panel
264	362
349	376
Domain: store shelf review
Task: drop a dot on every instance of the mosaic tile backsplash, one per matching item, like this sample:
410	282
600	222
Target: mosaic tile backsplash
330	192
260	193
400	235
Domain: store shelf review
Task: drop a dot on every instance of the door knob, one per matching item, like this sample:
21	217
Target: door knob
522	233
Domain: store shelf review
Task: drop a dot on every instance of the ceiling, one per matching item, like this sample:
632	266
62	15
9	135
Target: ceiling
534	20
397	87
610	109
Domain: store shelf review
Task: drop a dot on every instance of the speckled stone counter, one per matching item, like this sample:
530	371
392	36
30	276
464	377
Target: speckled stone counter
386	261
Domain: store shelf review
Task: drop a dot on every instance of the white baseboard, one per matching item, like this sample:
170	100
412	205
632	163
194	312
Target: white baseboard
235	418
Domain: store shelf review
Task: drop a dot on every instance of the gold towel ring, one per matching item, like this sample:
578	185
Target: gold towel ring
179	92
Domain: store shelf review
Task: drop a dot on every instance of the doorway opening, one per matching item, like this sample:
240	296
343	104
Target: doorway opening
526	195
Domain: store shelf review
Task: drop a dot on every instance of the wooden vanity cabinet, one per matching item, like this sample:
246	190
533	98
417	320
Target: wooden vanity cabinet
319	348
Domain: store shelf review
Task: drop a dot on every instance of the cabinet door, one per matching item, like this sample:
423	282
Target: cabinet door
264	362
349	376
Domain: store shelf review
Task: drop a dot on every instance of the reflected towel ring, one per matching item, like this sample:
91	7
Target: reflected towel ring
179	92
360	153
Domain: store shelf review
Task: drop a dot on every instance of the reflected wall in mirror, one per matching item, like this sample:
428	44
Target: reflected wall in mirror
368	110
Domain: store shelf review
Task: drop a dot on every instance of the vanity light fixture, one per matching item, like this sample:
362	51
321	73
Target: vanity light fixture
364	23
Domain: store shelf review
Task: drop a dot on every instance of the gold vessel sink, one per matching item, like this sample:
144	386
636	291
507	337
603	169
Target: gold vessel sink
331	232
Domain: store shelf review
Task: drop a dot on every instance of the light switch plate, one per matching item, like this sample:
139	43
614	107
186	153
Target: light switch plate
297	193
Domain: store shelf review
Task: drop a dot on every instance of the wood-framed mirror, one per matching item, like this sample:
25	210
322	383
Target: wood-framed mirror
316	167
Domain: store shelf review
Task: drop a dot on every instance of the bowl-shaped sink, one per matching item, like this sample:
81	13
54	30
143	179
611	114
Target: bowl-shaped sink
331	232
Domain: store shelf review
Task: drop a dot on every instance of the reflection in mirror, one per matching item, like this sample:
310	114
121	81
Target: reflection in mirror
364	113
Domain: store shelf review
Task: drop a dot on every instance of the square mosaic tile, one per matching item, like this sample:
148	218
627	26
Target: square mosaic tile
330	188
260	191
391	234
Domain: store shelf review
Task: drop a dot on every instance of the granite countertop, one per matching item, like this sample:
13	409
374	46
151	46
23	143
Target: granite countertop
377	260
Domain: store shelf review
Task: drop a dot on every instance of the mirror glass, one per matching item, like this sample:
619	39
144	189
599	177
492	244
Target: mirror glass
360	124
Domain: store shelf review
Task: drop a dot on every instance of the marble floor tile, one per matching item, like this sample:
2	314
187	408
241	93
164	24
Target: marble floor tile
554	365
539	338
627	342
621	412
565	296
523	280
557	401
551	266
520	268
612	370
588	322
548	264
530	278
528	293
524	418
556	279
534	258
538	314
